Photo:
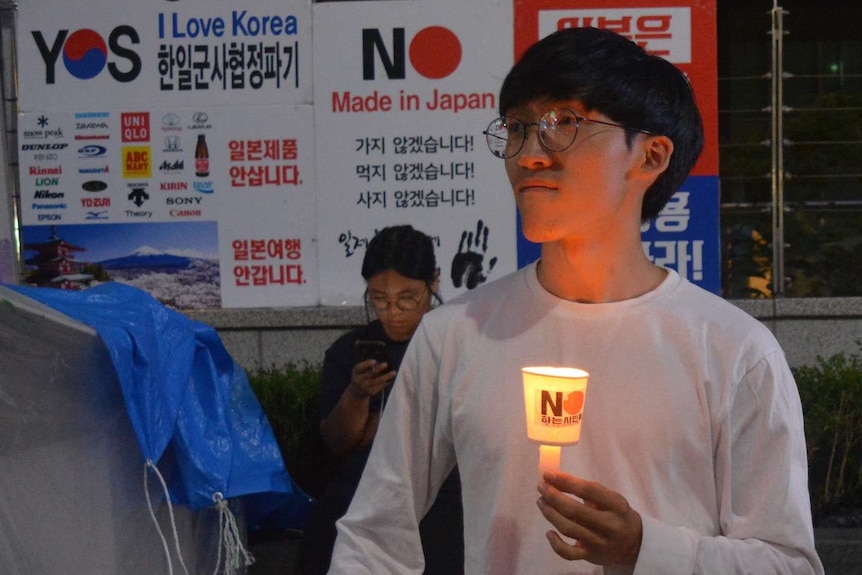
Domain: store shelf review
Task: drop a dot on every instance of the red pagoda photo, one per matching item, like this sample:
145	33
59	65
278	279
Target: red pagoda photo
55	265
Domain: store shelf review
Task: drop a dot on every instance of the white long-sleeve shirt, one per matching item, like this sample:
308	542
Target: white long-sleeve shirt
691	413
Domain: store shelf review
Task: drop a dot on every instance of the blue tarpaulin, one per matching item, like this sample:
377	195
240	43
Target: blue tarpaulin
189	402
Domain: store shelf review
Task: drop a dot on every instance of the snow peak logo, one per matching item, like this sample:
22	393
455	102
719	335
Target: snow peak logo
45	132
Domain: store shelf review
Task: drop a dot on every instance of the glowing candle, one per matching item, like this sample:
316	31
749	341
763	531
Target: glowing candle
554	405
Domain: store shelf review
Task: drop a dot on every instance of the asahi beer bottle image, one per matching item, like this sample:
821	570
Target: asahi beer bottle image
202	158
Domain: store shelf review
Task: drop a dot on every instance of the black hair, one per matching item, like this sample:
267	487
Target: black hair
612	75
402	249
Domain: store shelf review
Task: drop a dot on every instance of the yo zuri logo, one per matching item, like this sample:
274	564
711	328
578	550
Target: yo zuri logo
85	53
435	52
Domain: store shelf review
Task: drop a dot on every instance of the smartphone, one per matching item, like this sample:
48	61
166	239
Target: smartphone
371	349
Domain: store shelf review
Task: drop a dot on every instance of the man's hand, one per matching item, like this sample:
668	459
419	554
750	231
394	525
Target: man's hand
606	530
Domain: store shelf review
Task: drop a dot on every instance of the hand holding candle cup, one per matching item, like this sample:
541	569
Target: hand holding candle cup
554	402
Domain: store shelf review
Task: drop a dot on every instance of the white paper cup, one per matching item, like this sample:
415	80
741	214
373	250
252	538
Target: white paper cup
554	400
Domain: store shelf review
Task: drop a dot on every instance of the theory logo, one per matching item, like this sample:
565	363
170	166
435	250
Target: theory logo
435	52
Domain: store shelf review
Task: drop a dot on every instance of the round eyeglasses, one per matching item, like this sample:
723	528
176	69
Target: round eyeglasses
557	130
404	303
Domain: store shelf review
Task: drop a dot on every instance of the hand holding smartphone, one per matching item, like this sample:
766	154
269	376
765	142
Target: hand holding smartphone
371	349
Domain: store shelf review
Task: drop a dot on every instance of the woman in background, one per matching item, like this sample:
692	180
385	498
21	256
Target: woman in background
402	281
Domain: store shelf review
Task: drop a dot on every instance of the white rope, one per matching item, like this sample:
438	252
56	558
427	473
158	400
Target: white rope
155	521
147	467
229	540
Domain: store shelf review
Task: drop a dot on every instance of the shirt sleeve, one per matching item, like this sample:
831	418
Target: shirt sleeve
410	458
761	472
338	362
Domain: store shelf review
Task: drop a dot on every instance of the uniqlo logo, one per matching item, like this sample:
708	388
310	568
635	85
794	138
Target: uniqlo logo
135	126
664	32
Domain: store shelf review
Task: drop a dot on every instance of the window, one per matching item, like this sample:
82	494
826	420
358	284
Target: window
822	120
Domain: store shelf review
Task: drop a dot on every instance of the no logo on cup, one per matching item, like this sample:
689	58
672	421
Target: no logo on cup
554	400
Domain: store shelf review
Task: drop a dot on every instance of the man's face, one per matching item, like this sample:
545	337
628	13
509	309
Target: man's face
578	193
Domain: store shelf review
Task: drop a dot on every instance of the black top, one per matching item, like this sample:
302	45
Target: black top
338	363
441	529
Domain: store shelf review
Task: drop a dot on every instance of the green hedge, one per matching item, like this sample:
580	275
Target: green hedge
289	398
831	392
830	389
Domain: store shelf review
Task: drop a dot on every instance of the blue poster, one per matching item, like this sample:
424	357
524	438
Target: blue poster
684	236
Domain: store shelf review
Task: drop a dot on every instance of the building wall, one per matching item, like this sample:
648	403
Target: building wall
272	337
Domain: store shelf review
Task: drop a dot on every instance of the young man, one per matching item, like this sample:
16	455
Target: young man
691	458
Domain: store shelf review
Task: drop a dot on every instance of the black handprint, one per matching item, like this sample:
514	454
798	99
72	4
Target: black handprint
467	264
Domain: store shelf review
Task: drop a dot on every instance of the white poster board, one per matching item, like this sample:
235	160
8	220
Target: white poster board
402	92
170	146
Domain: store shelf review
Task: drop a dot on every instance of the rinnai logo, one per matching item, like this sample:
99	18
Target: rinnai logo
85	53
435	53
664	32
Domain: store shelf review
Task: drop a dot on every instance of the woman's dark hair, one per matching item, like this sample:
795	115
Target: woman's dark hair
402	249
614	76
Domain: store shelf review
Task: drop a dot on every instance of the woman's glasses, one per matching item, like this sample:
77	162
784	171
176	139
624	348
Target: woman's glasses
381	303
